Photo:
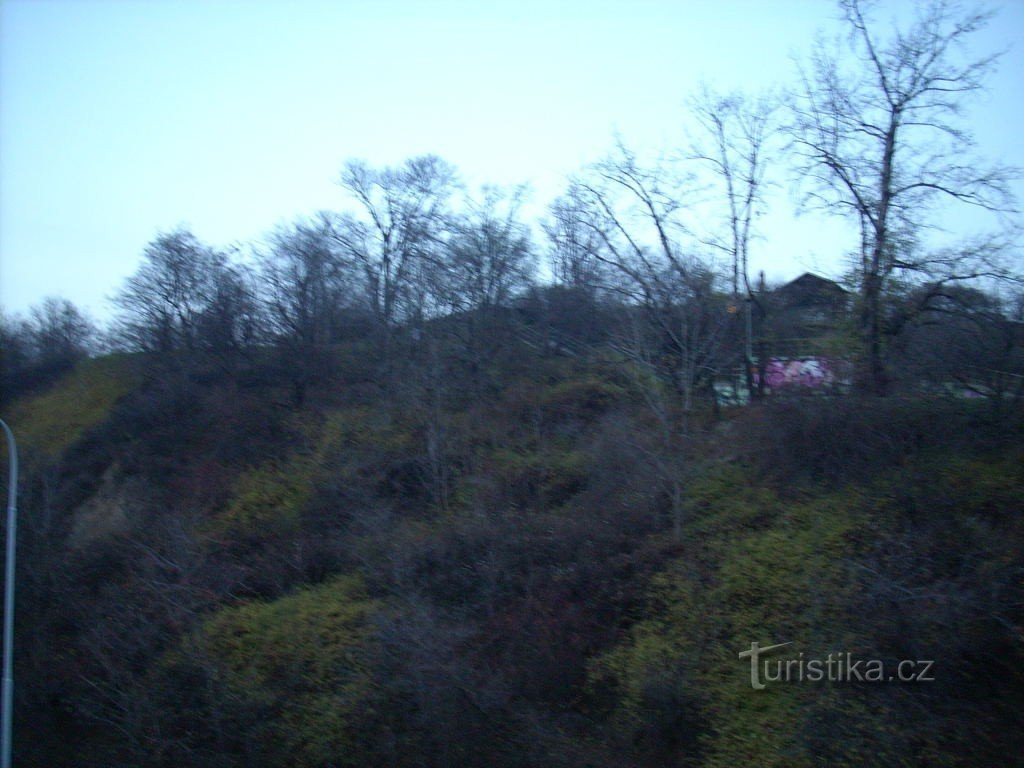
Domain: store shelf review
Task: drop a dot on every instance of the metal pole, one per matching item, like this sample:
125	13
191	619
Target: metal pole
749	346
12	530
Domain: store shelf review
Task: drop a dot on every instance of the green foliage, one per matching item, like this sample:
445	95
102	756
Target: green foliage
51	422
267	502
548	477
585	395
299	667
992	484
365	429
654	674
760	569
726	499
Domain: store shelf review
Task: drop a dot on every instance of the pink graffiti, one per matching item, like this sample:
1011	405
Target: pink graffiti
806	372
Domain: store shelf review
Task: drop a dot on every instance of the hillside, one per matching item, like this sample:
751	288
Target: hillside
537	558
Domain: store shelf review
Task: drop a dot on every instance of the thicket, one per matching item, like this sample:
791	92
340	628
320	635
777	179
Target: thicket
216	576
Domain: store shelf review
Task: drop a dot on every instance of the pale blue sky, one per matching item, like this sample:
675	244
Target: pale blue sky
122	118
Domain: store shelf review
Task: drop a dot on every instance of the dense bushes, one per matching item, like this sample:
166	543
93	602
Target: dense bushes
559	569
914	565
289	679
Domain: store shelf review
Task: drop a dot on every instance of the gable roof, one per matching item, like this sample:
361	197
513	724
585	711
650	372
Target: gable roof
810	289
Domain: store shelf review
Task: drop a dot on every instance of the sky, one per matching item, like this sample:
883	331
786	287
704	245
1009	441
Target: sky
121	119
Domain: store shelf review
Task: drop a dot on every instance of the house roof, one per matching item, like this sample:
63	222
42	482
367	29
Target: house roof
810	289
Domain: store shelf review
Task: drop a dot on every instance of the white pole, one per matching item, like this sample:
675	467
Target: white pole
12	529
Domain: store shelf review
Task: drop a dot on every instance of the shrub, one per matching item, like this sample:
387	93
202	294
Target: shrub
295	672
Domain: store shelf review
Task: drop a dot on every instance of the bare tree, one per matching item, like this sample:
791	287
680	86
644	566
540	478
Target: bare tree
489	256
488	260
60	333
732	143
400	221
634	215
161	304
15	354
189	303
233	322
879	137
959	337
306	288
55	337
304	281
573	245
674	320
735	135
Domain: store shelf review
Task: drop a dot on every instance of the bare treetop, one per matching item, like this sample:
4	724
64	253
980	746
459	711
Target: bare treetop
878	136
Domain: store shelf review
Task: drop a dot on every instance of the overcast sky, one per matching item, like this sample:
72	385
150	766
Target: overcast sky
121	119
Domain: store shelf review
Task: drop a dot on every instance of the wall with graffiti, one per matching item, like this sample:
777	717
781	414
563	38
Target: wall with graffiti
810	372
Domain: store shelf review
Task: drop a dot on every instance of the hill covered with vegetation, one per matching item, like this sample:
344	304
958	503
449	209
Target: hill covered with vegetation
544	560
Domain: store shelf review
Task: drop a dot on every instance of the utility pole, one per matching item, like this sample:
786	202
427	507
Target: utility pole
748	346
12	526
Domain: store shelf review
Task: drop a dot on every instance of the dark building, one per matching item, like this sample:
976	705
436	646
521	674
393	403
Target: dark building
806	317
809	304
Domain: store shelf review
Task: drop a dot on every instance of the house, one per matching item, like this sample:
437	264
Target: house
809	304
796	341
